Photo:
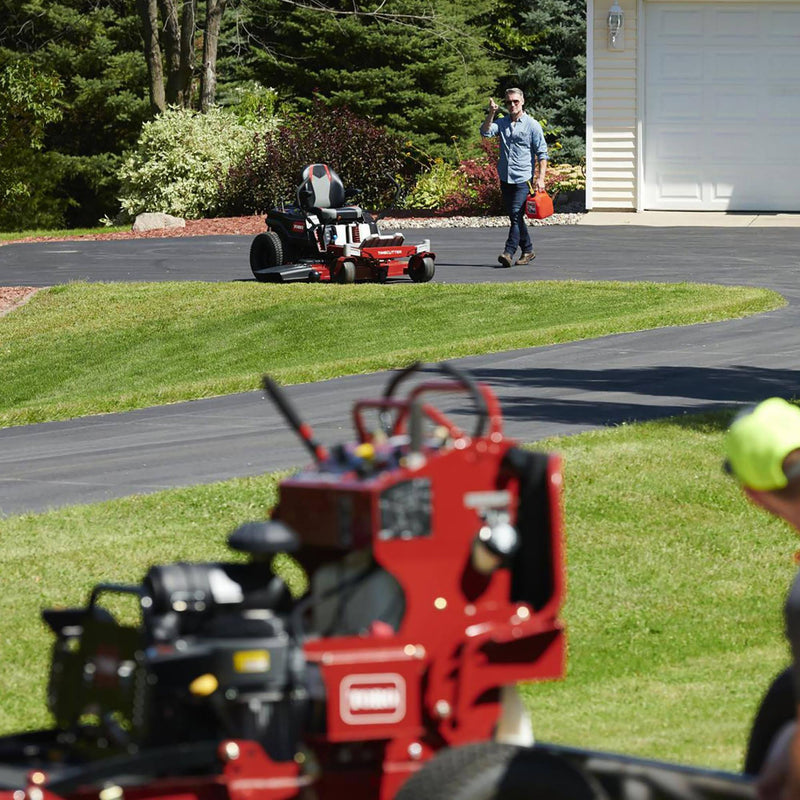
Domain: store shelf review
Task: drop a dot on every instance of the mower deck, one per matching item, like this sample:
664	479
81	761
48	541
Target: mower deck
348	264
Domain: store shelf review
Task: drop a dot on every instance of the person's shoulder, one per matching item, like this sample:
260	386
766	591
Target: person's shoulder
533	122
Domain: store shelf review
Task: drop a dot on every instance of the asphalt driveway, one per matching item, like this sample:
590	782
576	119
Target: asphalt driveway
552	390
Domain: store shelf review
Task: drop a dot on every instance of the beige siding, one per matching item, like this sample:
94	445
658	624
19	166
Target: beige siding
613	133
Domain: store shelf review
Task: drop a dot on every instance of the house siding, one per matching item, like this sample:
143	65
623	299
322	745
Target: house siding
612	121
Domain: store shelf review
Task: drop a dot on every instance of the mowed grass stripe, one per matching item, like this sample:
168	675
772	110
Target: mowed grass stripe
92	348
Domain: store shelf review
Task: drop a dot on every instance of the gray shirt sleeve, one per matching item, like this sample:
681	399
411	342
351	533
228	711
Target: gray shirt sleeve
792	617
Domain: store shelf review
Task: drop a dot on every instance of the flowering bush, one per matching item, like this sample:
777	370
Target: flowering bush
564	178
471	188
177	161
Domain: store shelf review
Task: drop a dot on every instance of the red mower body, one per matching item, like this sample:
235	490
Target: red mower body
436	579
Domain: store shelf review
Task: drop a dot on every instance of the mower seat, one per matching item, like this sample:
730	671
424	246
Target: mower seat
322	193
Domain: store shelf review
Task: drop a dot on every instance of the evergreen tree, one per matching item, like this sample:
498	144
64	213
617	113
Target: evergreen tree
95	49
421	71
545	43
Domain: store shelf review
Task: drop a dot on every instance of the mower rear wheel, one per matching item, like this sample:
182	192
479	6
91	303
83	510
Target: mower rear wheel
421	270
266	251
496	771
347	272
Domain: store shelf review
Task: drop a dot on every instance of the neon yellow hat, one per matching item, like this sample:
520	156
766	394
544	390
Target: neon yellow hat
758	441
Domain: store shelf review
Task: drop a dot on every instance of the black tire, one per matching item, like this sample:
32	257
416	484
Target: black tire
265	251
777	709
347	272
422	269
495	771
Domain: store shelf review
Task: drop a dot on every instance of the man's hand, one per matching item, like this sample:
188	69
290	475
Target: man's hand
493	108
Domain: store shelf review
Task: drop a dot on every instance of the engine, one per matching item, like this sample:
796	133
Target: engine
212	656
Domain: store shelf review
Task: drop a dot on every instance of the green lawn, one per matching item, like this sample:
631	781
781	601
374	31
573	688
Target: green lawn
91	348
674	594
15	236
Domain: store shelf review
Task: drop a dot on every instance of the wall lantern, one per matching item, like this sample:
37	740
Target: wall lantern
616	22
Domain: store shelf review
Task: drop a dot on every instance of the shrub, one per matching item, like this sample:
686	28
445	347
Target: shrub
564	178
177	162
251	102
439	182
362	153
471	188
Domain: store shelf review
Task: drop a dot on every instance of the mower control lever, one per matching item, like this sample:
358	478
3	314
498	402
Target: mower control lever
302	429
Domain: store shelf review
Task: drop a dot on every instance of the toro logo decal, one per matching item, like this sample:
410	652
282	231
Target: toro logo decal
298	227
372	699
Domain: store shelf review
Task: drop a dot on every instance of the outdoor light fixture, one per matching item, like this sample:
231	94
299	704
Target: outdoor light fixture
616	21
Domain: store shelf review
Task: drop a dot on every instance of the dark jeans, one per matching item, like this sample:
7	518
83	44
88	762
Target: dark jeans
514	197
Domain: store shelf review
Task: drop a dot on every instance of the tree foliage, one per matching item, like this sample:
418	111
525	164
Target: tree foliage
95	50
421	68
28	100
362	153
418	69
545	42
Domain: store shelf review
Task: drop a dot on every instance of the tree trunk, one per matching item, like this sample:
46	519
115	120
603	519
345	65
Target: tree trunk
208	79
172	49
187	50
148	11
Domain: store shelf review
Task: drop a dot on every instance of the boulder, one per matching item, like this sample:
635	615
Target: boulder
153	221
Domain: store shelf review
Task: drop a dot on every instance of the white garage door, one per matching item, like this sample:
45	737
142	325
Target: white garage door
722	106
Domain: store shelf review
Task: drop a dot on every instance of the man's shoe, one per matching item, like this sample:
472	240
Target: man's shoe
504	260
525	258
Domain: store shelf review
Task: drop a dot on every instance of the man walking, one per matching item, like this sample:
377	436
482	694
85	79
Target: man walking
521	141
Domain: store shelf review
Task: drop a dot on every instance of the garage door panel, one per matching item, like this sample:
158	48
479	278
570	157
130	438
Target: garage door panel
784	24
722	106
733	24
777	150
734	106
684	105
729	67
678	65
681	22
781	70
719	148
722	190
679	186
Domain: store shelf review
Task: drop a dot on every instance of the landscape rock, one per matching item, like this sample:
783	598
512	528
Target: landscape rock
151	221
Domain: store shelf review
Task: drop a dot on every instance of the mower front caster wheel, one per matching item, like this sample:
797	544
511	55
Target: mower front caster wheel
421	270
347	272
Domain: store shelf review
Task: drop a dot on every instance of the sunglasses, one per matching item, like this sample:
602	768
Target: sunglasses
513	102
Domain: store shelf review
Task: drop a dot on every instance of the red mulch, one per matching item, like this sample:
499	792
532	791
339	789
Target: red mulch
220	226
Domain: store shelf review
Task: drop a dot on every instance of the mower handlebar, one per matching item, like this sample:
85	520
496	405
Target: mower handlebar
480	395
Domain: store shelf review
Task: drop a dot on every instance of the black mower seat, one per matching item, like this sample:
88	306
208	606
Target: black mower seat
322	193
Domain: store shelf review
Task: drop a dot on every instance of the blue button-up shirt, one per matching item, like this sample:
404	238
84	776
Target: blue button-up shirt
519	143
